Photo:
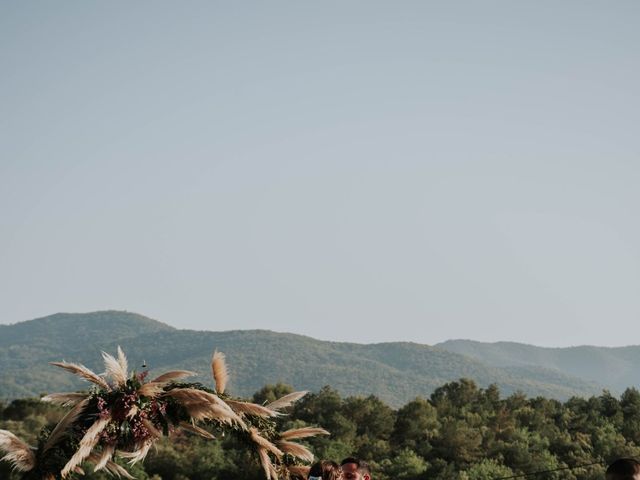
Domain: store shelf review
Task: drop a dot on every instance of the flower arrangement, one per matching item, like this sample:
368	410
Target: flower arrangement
123	414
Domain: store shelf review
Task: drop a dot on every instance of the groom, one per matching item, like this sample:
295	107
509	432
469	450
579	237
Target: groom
356	469
624	469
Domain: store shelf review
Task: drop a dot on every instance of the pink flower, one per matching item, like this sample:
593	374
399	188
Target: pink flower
103	408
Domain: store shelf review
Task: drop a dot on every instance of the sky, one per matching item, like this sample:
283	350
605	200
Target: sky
354	171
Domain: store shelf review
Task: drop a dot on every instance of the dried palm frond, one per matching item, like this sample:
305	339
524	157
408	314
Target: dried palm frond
151	389
133	411
89	440
298	471
233	416
83	372
190	396
115	469
274	472
303	432
264	443
295	449
252	409
102	458
219	371
64	424
114	370
197	430
287	400
18	453
110	466
201	404
65	399
207	411
222	415
173	375
138	454
265	461
155	433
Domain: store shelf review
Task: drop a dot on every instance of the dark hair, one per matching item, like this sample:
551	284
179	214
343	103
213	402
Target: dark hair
325	469
623	469
363	467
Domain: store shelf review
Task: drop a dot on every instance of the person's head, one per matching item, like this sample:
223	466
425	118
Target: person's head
324	470
355	469
624	469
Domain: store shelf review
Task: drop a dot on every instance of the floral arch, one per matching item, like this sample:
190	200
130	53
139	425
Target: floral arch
124	414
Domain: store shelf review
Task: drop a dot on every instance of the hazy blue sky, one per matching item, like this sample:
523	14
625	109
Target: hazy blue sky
350	170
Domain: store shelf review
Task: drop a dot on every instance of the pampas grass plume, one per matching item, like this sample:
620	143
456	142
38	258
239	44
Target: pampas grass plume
83	372
219	371
172	375
287	400
18	452
303	432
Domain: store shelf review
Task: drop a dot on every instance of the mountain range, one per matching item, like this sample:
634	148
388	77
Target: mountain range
396	372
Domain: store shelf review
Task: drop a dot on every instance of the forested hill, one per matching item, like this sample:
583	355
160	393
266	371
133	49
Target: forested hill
617	368
395	372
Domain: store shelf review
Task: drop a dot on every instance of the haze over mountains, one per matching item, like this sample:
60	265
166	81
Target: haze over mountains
396	372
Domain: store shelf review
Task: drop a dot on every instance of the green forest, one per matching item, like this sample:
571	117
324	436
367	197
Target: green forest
460	432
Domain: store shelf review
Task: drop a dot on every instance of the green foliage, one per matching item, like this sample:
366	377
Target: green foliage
270	393
487	469
461	432
412	427
194	458
405	465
